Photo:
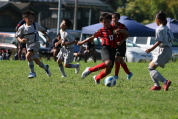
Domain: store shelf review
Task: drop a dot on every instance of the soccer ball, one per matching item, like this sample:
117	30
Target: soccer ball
110	81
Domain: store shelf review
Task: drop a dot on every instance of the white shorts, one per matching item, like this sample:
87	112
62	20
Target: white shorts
164	55
66	55
34	47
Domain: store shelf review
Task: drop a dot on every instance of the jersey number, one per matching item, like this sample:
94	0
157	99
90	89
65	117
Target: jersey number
111	37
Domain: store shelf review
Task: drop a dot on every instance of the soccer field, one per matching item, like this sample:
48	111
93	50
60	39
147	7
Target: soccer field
73	98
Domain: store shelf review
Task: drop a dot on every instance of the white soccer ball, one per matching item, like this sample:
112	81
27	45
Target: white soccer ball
110	81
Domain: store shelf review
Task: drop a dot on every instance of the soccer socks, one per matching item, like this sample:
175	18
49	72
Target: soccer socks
61	69
31	66
156	76
124	66
97	67
74	65
42	65
101	75
117	68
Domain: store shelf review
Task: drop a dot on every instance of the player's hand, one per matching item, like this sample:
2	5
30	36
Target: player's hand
24	40
79	43
119	43
148	50
56	44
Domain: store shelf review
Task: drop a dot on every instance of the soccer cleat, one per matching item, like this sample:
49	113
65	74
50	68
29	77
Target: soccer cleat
166	85
64	76
48	71
116	77
31	75
130	75
96	82
85	73
156	88
77	69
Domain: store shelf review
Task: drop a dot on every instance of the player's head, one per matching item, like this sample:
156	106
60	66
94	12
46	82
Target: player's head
115	17
160	18
65	24
105	19
28	16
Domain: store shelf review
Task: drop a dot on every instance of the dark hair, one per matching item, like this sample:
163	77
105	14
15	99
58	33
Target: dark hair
28	12
68	22
76	38
105	16
161	16
117	14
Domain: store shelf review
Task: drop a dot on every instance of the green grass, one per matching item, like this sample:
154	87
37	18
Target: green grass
73	98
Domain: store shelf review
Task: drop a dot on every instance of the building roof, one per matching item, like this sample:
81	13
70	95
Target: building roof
20	5
85	2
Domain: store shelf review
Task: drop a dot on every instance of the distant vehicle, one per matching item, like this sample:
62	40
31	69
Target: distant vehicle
133	53
148	42
53	33
8	41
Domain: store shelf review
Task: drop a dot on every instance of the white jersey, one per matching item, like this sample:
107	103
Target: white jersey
66	36
24	30
164	34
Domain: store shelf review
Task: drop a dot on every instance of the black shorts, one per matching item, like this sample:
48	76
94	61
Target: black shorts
121	50
21	45
108	53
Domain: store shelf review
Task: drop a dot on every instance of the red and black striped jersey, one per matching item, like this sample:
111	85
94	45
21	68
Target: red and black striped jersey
121	26
107	36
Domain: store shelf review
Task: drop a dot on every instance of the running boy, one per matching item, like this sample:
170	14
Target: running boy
121	47
107	35
164	37
28	33
67	50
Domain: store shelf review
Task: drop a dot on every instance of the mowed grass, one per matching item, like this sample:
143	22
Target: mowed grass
73	98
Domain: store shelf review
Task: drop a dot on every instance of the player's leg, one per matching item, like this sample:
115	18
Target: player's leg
19	50
164	55
68	58
59	61
104	72
41	64
117	67
29	56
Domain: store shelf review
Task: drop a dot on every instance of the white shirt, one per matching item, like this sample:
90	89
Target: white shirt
66	36
24	29
164	34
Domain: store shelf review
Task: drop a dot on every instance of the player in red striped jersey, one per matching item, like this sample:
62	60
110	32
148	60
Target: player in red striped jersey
107	35
121	47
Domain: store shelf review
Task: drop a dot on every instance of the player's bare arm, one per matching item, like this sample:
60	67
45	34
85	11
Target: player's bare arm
49	39
22	40
153	47
86	40
125	33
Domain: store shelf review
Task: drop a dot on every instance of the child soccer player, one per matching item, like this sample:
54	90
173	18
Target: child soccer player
67	50
28	33
121	47
107	35
164	37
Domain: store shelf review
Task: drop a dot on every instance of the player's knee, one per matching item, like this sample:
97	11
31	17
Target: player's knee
108	63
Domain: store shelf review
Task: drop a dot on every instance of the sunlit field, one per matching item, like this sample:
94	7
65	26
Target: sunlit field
73	98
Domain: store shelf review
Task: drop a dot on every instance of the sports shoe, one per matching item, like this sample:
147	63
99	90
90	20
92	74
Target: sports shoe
77	69
64	76
31	75
130	75
85	73
96	82
48	71
156	88
166	85
116	77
